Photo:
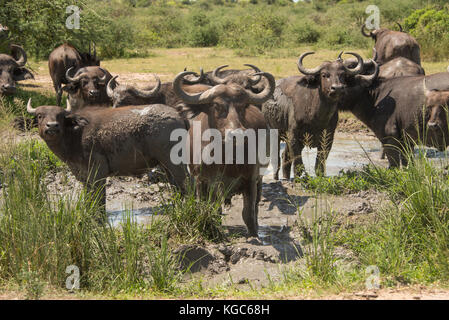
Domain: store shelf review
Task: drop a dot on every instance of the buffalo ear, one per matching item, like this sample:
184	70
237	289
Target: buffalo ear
309	81
76	121
70	88
22	74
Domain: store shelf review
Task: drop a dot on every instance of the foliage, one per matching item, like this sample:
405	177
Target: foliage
129	28
430	27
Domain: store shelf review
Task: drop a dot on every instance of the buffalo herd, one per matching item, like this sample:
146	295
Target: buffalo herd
111	129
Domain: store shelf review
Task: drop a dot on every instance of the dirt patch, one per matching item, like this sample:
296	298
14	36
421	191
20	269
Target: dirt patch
352	125
400	293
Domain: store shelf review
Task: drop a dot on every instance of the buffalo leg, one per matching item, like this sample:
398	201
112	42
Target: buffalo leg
58	90
286	163
276	170
295	156
249	212
177	173
393	153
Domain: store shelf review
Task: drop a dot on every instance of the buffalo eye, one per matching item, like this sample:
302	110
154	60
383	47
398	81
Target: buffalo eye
325	75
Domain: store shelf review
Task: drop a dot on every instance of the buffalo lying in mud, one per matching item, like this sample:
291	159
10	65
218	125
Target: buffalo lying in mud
228	107
100	142
12	70
392	44
163	93
65	57
393	110
304	109
87	87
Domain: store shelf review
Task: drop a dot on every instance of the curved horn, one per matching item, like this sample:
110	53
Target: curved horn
109	90
23	56
358	68
370	77
198	79
69	106
199	98
149	93
309	72
105	73
374	54
257	70
214	75
30	109
69	78
370	35
267	92
339	56
400	27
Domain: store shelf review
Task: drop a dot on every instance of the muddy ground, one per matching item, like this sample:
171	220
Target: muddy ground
251	262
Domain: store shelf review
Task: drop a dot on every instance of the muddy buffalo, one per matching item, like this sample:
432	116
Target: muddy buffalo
65	57
437	103
100	142
228	107
392	44
393	110
304	109
87	87
12	70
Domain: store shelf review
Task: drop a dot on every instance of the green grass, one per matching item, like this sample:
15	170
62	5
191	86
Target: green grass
41	234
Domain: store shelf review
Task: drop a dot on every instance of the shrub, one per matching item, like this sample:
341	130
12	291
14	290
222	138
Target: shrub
430	27
305	33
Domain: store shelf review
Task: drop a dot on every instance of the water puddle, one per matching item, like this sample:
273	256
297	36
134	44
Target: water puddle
345	154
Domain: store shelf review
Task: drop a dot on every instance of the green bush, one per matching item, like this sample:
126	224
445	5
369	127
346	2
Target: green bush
430	27
129	28
305	32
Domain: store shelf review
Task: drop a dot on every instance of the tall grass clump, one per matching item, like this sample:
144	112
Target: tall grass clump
410	240
42	233
350	181
320	266
191	219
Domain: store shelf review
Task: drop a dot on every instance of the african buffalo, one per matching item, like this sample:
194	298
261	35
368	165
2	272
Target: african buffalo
65	57
12	69
304	109
100	142
228	107
245	78
398	67
163	93
87	87
392	44
393	110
